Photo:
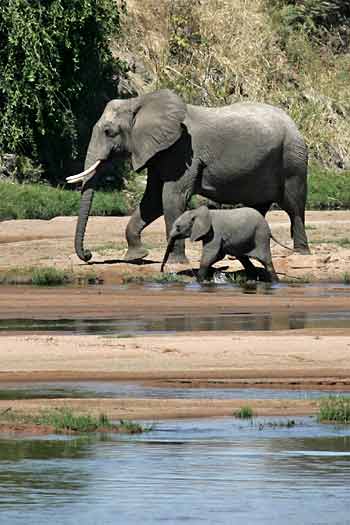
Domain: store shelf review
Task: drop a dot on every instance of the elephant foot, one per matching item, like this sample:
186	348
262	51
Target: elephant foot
302	250
135	254
178	258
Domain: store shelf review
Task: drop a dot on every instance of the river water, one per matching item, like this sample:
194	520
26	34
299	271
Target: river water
218	471
208	471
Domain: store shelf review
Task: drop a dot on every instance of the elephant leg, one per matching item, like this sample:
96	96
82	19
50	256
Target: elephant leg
248	266
210	255
270	269
293	203
174	204
149	210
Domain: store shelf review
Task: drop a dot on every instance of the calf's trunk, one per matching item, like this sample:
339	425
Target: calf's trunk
169	249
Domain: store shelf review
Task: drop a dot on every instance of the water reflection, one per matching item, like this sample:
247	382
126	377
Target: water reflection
230	321
208	471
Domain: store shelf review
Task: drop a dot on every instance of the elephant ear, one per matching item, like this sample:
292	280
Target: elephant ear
202	223
157	125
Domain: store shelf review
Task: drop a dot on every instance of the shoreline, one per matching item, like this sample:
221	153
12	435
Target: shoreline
160	409
228	360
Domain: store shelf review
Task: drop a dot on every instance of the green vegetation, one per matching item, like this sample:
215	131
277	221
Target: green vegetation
57	70
328	190
335	409
245	412
346	278
156	277
45	276
65	420
50	276
130	427
40	201
317	18
40	276
171	277
58	65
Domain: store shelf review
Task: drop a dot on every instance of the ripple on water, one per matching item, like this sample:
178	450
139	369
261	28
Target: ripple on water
208	471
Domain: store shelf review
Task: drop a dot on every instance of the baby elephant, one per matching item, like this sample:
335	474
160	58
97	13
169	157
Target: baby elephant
242	232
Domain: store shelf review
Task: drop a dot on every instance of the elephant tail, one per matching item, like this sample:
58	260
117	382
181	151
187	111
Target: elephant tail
278	242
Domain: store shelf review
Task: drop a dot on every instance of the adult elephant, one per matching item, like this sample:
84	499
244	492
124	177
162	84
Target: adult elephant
243	153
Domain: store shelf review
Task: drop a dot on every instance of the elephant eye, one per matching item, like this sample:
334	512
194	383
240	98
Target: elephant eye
110	132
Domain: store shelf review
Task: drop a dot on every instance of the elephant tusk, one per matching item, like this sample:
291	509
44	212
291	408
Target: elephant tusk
80	176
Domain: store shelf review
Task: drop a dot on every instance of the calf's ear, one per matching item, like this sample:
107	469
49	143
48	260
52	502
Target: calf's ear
202	223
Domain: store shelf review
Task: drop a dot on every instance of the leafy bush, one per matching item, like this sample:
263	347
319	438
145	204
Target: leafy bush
56	74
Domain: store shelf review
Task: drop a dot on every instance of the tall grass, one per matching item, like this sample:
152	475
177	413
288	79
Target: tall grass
245	412
217	52
335	409
65	420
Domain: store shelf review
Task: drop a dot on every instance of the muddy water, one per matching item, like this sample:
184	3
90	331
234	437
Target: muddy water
208	471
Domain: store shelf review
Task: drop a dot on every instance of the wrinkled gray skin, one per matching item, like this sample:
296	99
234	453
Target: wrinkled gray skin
244	153
242	232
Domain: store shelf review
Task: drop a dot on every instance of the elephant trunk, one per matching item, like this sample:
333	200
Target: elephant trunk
87	196
169	249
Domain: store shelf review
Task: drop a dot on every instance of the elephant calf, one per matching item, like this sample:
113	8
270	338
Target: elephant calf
242	232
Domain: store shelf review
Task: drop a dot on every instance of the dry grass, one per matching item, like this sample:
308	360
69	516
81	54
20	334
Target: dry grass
218	51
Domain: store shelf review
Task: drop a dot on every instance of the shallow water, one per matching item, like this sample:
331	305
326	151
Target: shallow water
218	471
209	471
129	325
122	389
231	321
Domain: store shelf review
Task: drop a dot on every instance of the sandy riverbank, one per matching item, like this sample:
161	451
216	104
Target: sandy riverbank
301	358
236	360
